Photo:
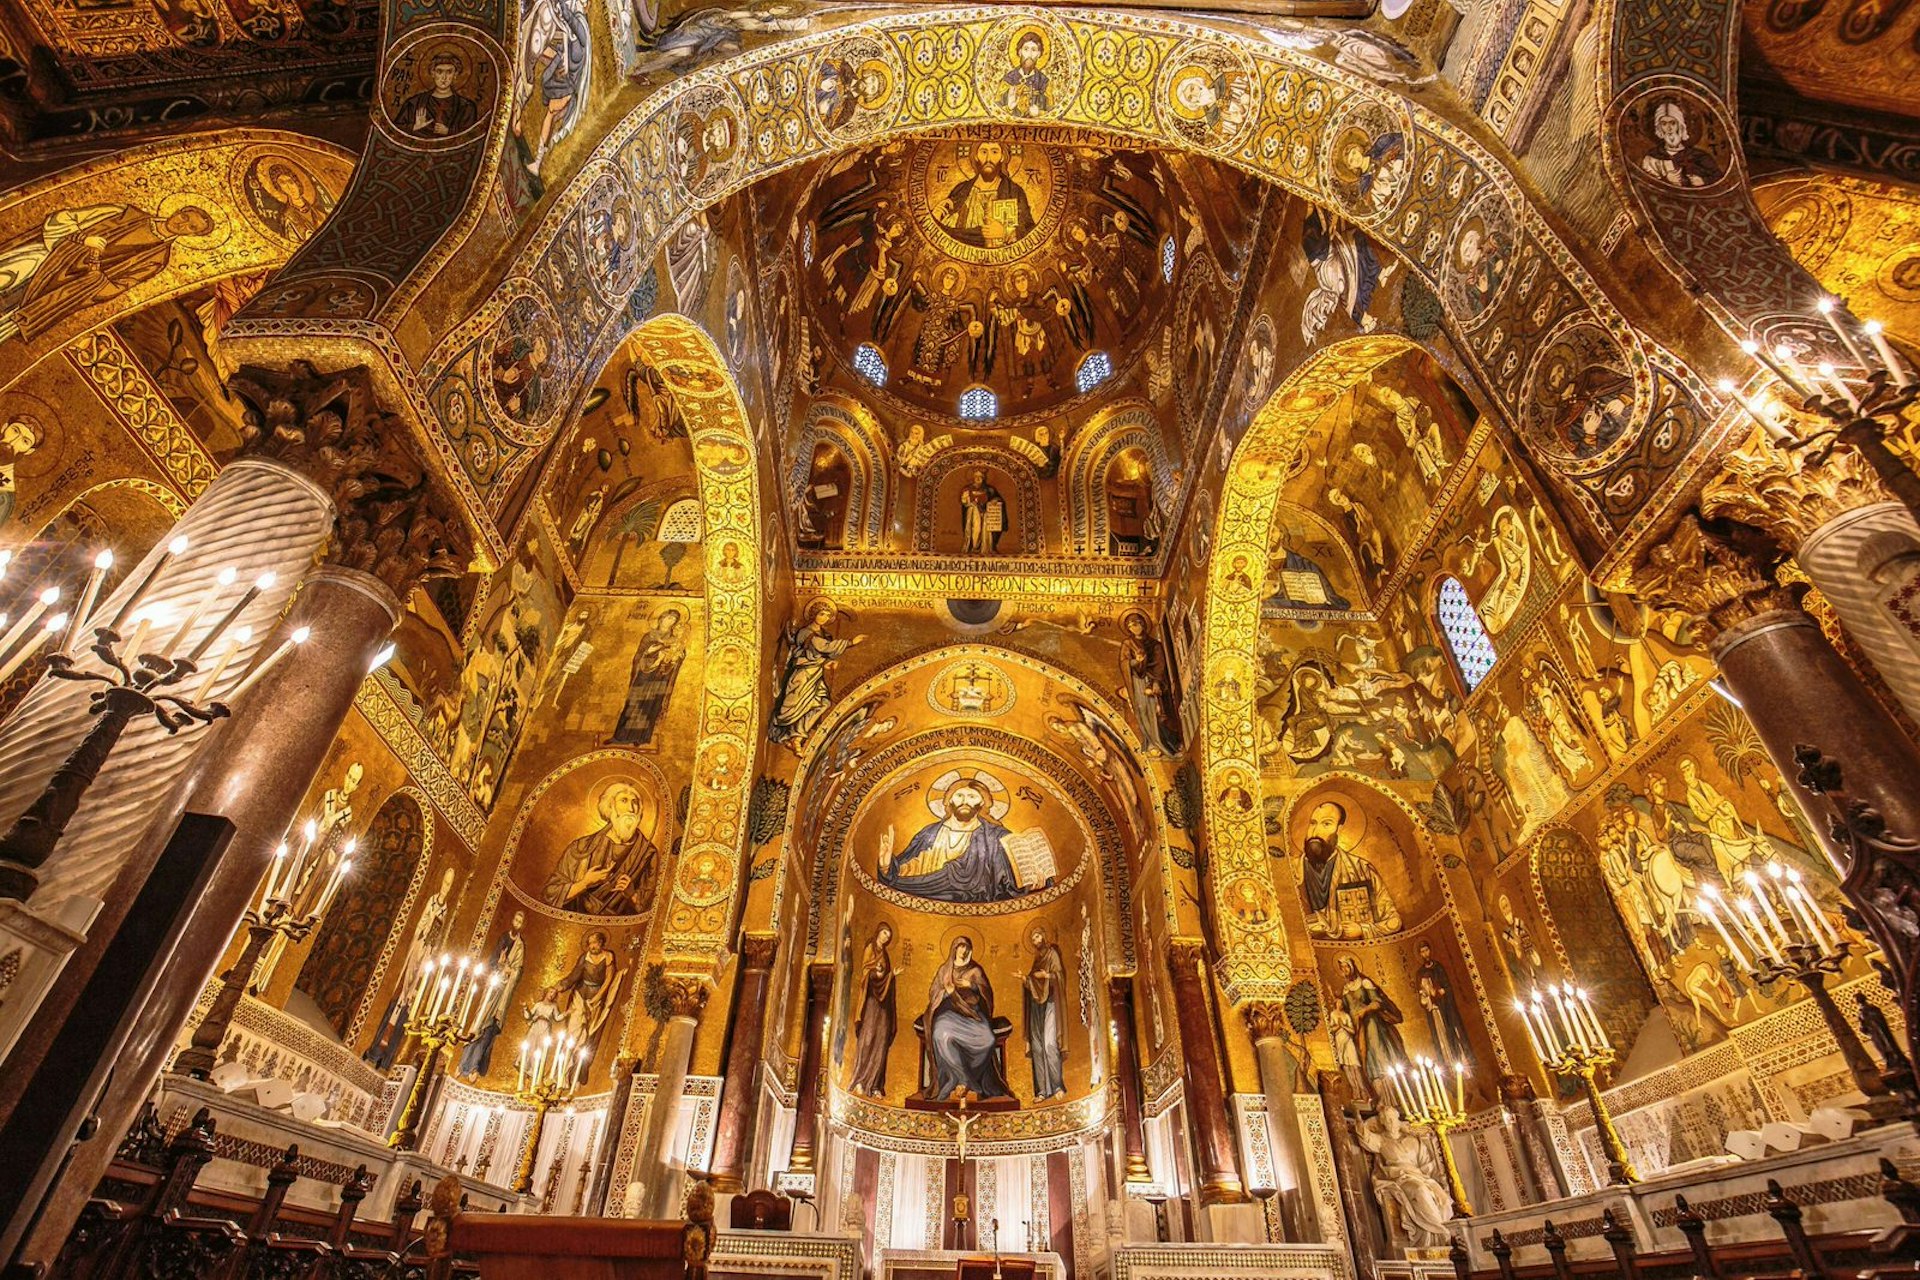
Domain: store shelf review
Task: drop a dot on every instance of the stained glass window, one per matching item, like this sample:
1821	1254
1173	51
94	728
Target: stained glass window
1093	371
978	403
870	364
1467	637
1168	252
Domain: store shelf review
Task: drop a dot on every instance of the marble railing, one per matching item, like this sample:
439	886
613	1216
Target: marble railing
272	1044
1230	1261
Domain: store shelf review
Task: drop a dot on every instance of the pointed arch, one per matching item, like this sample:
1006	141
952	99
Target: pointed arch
344	966
1255	962
1114	429
849	424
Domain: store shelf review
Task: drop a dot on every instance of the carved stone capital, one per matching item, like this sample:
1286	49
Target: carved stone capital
757	950
1184	953
393	518
1703	574
1267	1019
1788	496
686	996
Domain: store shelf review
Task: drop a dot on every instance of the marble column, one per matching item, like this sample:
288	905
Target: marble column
391	526
1798	693
617	1105
740	1091
1206	1094
1774	660
1278	1074
1126	1064
657	1176
806	1115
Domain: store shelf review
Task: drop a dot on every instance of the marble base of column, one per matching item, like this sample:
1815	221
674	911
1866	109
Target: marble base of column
1797	691
1213	1142
739	1091
254	774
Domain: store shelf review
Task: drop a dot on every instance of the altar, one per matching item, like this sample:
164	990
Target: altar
967	1264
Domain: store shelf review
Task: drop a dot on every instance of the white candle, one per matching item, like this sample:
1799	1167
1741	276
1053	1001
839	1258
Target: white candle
1705	905
333	887
580	1070
540	1058
242	636
89	594
1895	366
219	628
1757	887
1533	1037
426	977
520	1069
1831	314
45	601
275	870
1743	906
1554	1046
1824	930
50	628
1460	1088
441	989
299	637
1593	1019
175	548
1796	372
1835	384
221	581
1560	1012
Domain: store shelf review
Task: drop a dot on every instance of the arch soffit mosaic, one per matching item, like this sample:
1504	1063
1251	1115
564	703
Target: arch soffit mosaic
206	171
1255	963
846	423
1673	67
1116	428
1110	68
811	763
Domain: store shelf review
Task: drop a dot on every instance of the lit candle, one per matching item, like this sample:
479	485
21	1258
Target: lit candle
299	637
144	621
440	991
175	548
6	561
45	601
274	871
383	657
221	581
1554	1046
1895	366
1755	929
1757	887
1834	383
520	1069
219	628
1778	875
540	1058
1831	314
580	1072
50	628
1533	1037
1705	905
1824	930
426	976
89	594
333	887
1565	1020
242	637
1593	1019
1796	376
1460	1088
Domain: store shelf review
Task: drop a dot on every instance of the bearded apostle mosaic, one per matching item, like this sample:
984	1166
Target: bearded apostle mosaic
589	840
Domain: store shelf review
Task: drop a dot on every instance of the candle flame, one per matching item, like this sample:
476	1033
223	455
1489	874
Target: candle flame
1750	347
227	575
57	622
51	596
1824	306
1873	328
300	635
178	546
281	852
104	560
265	580
352	844
345	868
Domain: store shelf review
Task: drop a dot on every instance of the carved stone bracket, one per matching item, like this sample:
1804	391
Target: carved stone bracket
1787	496
393	518
1706	575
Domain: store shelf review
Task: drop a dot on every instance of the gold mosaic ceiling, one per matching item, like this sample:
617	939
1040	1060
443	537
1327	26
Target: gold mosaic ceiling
991	259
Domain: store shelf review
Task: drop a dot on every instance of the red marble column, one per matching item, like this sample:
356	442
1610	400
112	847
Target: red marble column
739	1093
1206	1094
1126	1065
806	1117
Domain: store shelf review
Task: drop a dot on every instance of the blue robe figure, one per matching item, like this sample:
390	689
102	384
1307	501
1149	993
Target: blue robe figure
937	864
961	1045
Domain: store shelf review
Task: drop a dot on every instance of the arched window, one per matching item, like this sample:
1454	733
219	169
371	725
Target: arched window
870	364
978	403
1168	253
1093	371
1467	638
681	522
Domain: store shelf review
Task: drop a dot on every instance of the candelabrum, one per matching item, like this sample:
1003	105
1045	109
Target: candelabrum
1860	406
1425	1098
546	1075
136	681
289	906
443	1014
1569	1041
1774	929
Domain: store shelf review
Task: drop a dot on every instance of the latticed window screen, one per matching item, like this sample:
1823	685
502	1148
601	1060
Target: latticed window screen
806	244
1093	371
870	364
681	521
1168	252
1467	637
978	403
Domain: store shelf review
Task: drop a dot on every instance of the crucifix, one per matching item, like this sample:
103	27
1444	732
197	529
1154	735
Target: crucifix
959	1183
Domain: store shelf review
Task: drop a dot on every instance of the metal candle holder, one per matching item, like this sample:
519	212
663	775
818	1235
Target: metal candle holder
1568	1040
441	1015
545	1077
1426	1100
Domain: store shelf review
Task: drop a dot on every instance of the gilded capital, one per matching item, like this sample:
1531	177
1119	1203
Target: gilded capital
1703	574
757	950
392	517
1788	496
686	995
1267	1019
1184	953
